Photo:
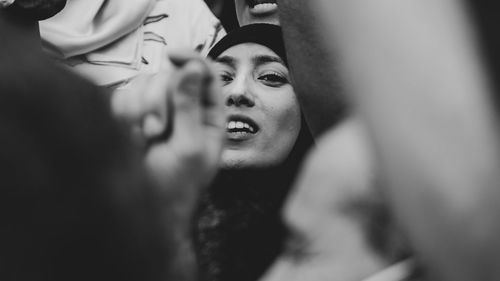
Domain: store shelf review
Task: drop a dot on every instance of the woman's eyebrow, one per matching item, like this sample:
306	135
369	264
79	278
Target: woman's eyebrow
227	60
263	59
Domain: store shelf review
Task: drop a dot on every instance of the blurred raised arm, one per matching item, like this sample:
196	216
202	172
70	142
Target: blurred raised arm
413	68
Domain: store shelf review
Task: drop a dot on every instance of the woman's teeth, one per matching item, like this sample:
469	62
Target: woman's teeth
264	8
232	125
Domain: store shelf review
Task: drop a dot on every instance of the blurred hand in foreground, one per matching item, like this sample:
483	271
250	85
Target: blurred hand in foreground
178	117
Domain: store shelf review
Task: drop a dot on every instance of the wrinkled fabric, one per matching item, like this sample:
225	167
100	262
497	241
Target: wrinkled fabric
112	41
87	25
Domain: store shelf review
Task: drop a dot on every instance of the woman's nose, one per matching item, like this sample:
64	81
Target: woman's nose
239	95
239	100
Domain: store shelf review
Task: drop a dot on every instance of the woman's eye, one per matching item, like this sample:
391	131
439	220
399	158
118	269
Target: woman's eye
273	79
225	78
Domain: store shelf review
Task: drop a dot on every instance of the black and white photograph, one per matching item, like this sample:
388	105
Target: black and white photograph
249	140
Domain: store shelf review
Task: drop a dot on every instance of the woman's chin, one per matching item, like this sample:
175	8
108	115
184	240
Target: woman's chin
251	157
274	20
235	163
239	163
237	159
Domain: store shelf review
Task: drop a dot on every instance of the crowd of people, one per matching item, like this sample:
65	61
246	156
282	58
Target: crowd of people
272	140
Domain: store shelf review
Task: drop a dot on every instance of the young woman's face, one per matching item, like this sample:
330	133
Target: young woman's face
256	11
263	112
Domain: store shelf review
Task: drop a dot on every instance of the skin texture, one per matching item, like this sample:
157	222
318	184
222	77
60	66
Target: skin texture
259	90
246	16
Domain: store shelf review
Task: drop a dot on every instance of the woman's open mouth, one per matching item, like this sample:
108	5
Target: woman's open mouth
240	128
262	7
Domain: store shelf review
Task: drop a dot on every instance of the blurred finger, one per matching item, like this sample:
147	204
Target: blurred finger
181	57
186	93
214	118
212	100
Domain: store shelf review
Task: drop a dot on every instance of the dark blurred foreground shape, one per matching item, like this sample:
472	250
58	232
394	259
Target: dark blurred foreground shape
485	16
36	9
416	71
417	75
75	203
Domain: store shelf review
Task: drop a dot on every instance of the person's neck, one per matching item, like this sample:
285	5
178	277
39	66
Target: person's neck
24	33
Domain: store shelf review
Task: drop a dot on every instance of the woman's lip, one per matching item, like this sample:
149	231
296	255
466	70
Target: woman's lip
239	136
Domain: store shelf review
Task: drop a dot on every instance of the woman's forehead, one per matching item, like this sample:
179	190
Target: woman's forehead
251	52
